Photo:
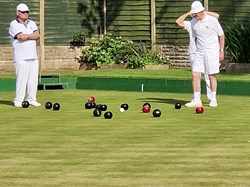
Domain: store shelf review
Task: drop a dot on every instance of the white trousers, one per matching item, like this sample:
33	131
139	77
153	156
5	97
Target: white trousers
26	80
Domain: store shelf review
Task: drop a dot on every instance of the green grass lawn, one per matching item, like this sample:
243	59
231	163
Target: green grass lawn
70	147
137	73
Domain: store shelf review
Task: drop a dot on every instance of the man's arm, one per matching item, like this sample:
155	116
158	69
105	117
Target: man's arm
213	14
181	19
24	37
222	43
34	36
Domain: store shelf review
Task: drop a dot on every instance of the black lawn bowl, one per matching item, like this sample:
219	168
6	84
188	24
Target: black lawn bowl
97	113
48	105
156	113
98	106
178	105
108	115
103	107
25	104
56	106
147	104
93	105
88	105
124	106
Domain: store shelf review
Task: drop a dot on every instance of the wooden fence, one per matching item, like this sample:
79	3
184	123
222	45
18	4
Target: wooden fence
145	20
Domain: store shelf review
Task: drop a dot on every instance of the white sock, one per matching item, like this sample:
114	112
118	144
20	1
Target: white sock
213	96
197	97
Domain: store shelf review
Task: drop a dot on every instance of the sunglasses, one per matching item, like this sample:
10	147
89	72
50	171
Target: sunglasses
195	14
24	12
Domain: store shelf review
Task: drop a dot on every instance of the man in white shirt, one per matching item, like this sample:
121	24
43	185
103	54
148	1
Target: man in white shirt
24	34
210	40
181	21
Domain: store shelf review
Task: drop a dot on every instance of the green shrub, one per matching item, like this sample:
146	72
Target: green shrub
110	50
143	55
78	39
237	41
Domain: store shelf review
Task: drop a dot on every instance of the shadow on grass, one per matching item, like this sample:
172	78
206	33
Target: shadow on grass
160	100
2	102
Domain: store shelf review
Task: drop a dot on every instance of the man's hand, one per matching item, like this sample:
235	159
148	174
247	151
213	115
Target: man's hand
222	56
23	37
181	19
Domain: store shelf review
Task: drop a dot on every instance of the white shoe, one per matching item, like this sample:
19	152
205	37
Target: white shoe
213	104
193	104
34	103
17	104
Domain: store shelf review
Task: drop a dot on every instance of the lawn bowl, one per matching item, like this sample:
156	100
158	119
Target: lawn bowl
91	99
88	105
108	115
124	106
146	109
156	113
25	104
56	106
103	107
48	105
97	113
93	105
98	106
199	110
146	104
178	105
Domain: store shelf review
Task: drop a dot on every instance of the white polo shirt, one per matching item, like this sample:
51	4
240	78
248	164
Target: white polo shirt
206	32
23	50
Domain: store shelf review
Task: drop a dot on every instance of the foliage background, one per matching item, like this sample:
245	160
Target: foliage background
238	41
126	18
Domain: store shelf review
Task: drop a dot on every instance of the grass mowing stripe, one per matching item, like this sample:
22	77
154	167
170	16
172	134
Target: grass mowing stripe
70	147
177	74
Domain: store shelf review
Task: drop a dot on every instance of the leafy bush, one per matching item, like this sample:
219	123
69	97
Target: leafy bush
142	55
109	50
237	41
78	39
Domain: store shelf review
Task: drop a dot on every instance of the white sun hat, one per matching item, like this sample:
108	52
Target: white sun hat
196	7
22	7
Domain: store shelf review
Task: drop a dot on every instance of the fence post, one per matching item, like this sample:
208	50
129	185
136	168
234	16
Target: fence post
153	24
105	17
41	41
206	5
